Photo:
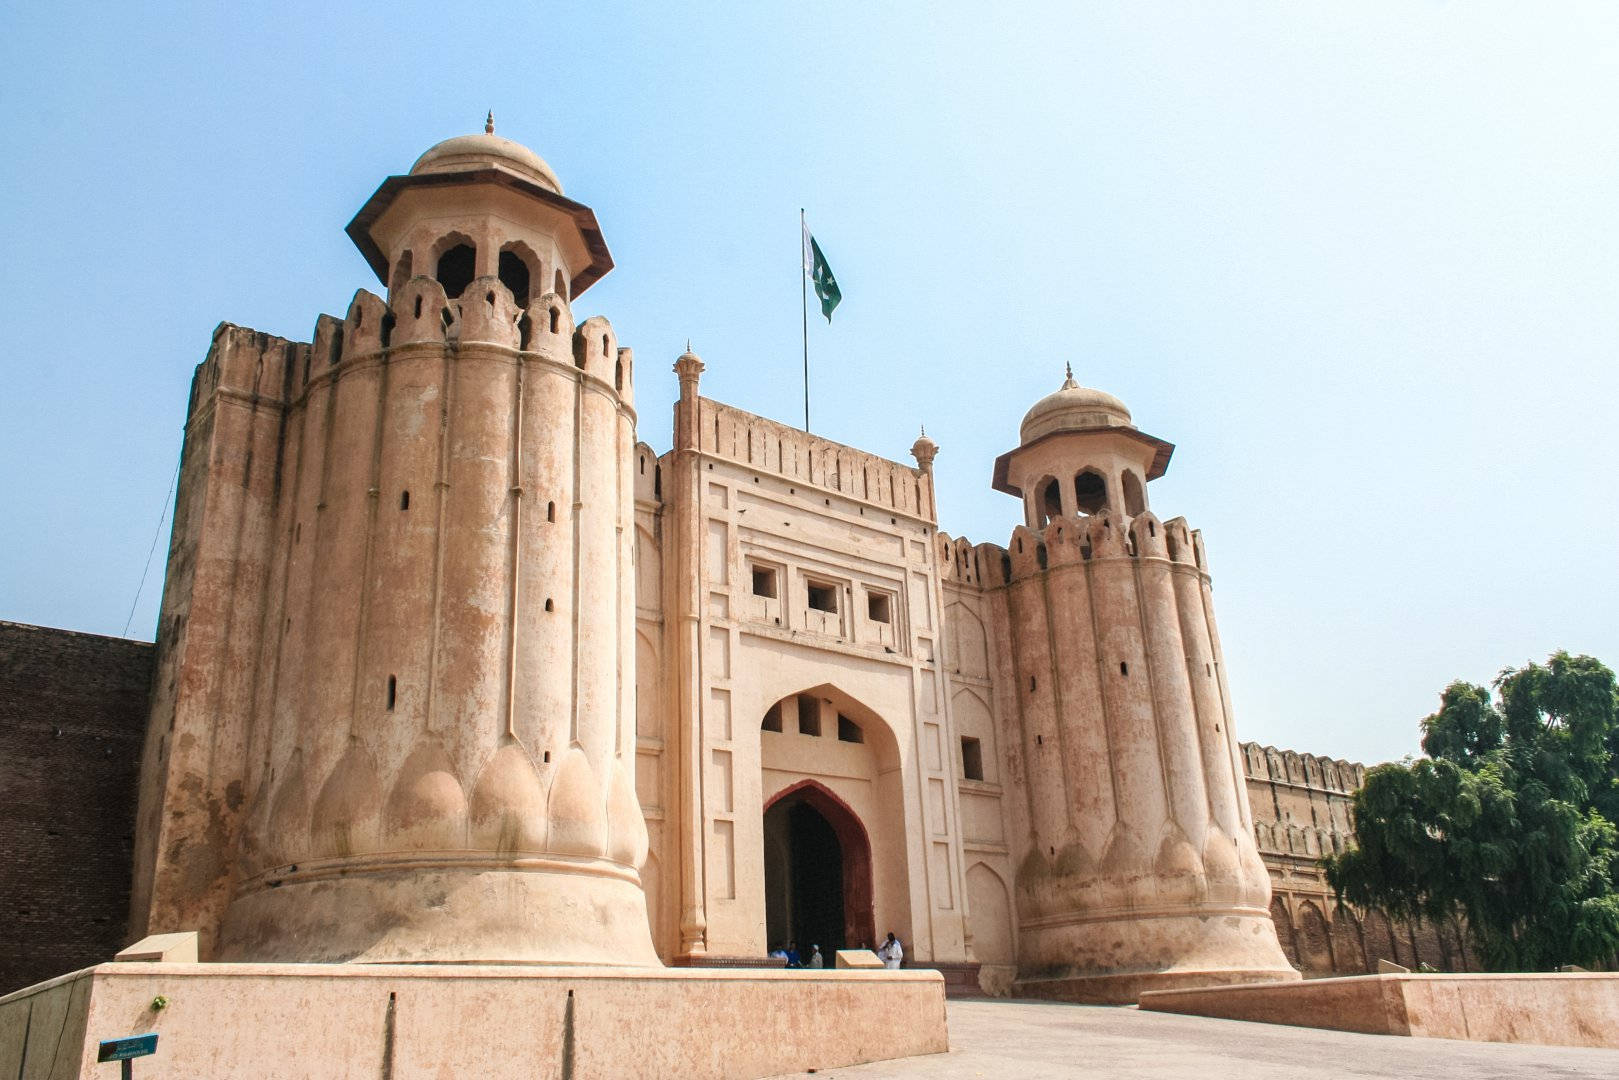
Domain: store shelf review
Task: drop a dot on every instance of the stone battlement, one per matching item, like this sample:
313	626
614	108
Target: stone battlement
1067	540
266	369
748	439
1267	763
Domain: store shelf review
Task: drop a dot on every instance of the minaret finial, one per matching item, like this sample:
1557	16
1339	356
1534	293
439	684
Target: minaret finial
924	429
1068	383
489	123
688	344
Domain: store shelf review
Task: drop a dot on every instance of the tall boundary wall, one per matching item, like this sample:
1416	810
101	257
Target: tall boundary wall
72	716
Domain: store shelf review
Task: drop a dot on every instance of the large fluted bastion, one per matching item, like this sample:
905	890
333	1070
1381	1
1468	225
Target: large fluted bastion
395	714
1132	836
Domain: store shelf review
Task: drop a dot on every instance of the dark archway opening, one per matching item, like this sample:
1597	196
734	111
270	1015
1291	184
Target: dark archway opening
456	268
1090	492
1050	502
817	873
514	275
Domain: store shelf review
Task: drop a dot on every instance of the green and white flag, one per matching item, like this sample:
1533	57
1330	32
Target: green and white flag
820	275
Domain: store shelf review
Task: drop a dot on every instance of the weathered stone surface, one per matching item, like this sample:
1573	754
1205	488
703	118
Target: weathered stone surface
72	709
363	1021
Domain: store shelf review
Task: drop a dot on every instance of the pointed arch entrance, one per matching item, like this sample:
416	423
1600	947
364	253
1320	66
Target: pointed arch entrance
818	887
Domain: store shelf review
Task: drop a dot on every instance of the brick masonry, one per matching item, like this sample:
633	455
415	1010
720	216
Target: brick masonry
72	716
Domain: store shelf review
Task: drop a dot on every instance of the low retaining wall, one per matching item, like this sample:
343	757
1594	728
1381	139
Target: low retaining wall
409	1021
1573	1009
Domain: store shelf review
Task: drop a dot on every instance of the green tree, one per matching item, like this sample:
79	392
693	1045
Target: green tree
1509	820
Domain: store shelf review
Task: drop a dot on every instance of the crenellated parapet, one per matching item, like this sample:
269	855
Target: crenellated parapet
247	365
1311	771
1068	540
764	444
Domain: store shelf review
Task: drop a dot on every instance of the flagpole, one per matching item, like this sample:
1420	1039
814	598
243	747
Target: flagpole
803	300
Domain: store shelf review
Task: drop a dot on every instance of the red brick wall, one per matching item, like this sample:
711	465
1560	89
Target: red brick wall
72	717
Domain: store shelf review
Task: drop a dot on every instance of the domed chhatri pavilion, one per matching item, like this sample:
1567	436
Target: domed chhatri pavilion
453	671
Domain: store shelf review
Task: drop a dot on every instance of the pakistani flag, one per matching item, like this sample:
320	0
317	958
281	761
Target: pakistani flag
820	275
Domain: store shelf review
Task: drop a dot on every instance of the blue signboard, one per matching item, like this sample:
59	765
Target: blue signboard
123	1049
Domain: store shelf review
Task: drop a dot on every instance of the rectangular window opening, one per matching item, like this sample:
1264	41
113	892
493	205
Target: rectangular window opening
809	715
849	731
772	721
764	581
972	758
823	597
878	608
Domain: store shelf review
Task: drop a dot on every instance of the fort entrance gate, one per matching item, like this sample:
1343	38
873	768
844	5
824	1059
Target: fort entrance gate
817	871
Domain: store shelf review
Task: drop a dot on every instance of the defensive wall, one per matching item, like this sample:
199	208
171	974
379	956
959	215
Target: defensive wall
72	715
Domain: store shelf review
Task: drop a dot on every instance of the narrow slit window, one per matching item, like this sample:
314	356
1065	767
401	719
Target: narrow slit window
404	500
393	691
972	758
550	511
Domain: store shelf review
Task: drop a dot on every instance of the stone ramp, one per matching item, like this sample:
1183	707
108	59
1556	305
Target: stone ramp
1056	1041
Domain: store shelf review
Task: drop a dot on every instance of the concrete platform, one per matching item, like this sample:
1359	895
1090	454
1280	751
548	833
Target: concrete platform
1573	1009
401	1022
1047	1041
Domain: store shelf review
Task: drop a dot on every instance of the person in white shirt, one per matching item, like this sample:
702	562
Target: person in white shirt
891	952
816	960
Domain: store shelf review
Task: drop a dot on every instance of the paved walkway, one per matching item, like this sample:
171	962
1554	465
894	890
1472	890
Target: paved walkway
1033	1040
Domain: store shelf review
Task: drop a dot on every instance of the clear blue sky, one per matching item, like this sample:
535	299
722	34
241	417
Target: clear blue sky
1358	261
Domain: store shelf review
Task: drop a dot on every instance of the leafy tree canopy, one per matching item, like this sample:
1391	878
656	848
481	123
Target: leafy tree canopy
1509	819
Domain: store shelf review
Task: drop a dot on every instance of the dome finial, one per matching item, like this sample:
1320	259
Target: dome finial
1069	383
924	450
489	123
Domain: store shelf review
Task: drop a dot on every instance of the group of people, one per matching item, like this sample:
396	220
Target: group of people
890	952
789	953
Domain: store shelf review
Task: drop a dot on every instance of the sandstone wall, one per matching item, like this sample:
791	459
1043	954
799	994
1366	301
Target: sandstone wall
1124	819
777	568
1301	805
